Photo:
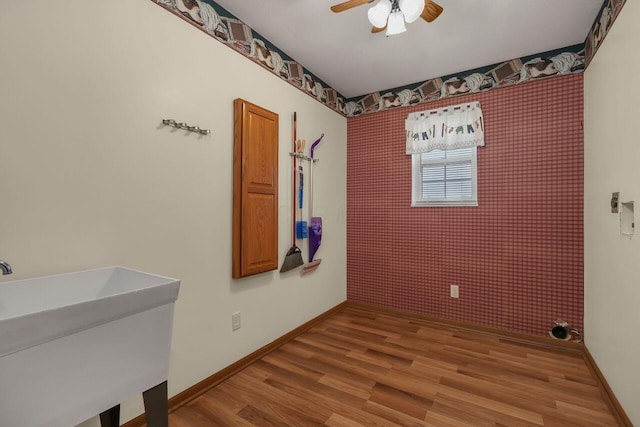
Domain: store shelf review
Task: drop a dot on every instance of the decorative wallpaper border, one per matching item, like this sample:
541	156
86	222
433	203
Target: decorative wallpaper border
603	23
228	29
572	59
535	67
220	24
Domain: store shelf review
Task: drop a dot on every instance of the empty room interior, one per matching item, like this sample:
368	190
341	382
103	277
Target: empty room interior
357	213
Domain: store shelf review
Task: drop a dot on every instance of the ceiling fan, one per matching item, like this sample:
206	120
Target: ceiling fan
392	14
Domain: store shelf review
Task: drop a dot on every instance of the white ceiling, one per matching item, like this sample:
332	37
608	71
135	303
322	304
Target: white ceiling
340	49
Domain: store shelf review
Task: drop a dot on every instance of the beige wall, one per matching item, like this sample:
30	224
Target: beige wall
89	178
612	261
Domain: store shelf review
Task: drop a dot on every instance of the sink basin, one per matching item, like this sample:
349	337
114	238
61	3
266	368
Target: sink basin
33	311
74	345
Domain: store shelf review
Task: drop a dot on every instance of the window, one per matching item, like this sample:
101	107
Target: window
443	147
445	178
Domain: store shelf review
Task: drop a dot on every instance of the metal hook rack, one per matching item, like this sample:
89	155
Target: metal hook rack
303	157
184	126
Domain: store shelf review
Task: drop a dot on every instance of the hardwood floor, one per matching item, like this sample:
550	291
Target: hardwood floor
361	368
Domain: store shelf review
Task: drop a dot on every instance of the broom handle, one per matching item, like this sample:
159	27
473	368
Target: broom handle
311	151
293	202
310	193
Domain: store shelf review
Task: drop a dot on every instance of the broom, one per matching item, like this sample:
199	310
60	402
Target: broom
293	258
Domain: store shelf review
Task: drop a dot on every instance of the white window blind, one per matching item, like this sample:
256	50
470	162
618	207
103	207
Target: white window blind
445	178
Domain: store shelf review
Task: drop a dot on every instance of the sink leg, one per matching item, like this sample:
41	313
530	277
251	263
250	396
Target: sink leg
156	407
110	417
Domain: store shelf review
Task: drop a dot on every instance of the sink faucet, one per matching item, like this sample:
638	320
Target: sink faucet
6	268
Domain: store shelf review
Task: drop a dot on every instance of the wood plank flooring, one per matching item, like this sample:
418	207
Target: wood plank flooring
360	368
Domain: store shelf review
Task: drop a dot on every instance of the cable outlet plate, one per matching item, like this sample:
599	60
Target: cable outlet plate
235	321
455	291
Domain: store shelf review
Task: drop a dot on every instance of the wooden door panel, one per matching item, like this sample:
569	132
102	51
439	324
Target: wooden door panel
258	171
259	237
255	190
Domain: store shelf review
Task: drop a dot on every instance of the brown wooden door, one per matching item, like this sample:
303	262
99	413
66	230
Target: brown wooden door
255	190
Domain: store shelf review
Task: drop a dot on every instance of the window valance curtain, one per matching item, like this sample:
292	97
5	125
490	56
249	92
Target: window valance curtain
456	126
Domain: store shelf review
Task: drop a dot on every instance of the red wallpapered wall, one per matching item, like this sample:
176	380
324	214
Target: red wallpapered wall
517	257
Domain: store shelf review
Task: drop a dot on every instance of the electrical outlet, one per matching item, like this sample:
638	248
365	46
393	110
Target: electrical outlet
235	321
455	291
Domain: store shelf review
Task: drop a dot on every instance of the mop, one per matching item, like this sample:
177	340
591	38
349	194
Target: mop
302	229
315	223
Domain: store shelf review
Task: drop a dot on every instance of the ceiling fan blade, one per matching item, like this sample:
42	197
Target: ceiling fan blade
431	11
341	7
377	29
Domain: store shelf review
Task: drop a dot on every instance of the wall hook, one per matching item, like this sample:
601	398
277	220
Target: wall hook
184	126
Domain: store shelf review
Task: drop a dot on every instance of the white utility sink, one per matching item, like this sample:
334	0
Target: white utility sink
74	345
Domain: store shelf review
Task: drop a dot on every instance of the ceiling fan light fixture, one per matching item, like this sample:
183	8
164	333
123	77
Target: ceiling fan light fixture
411	9
378	14
395	25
